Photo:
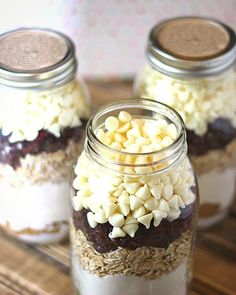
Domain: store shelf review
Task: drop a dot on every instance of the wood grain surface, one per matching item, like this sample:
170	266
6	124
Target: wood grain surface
45	270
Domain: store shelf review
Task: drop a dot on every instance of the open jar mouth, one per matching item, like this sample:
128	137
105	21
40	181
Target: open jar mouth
138	108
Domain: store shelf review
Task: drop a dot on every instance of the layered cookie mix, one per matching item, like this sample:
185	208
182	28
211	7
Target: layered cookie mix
43	111
197	78
132	229
39	143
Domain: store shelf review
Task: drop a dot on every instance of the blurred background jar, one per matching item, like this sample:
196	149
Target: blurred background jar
43	110
191	67
134	208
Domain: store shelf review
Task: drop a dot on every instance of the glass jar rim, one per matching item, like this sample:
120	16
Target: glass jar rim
175	150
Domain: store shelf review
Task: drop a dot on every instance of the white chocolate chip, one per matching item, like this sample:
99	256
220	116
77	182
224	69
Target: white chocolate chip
123	128
156	191
143	193
158	216
174	202
116	181
151	129
130	229
123	209
76	183
167	191
131	187
77	203
93	204
163	206
66	117
146	220
172	131
130	220
152	182
117	233
100	216
135	202
120	138
124	198
111	123
174	177
134	132
109	209
117	220
119	191
131	140
117	146
173	214
181	202
151	204
139	212
91	220
124	117
85	202
189	199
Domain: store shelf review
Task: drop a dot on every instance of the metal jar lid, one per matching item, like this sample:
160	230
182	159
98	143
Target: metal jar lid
33	58
188	47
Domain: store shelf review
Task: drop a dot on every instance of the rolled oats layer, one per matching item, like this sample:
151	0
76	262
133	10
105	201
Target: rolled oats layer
216	159
44	167
147	262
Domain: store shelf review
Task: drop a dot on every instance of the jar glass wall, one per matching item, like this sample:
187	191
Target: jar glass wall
205	99
41	130
135	204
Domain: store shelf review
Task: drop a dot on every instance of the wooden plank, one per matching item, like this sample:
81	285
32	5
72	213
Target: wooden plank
213	273
7	290
58	253
222	238
22	267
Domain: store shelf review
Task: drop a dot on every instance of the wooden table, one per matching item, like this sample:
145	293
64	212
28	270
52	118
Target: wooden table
44	270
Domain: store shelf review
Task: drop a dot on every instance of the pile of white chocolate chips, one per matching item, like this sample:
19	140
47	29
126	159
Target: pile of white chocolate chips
47	110
126	201
198	101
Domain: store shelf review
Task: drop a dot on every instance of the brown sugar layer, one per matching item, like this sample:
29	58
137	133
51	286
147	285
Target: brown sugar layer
219	134
52	228
219	159
147	262
160	236
11	153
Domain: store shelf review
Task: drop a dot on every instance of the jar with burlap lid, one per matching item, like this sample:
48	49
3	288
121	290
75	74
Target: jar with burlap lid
191	67
43	110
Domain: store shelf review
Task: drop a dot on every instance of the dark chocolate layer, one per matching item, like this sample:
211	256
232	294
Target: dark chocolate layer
10	153
160	236
219	134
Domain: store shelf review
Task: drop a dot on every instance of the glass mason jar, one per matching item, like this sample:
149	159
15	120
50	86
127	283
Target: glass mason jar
134	212
191	67
43	109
